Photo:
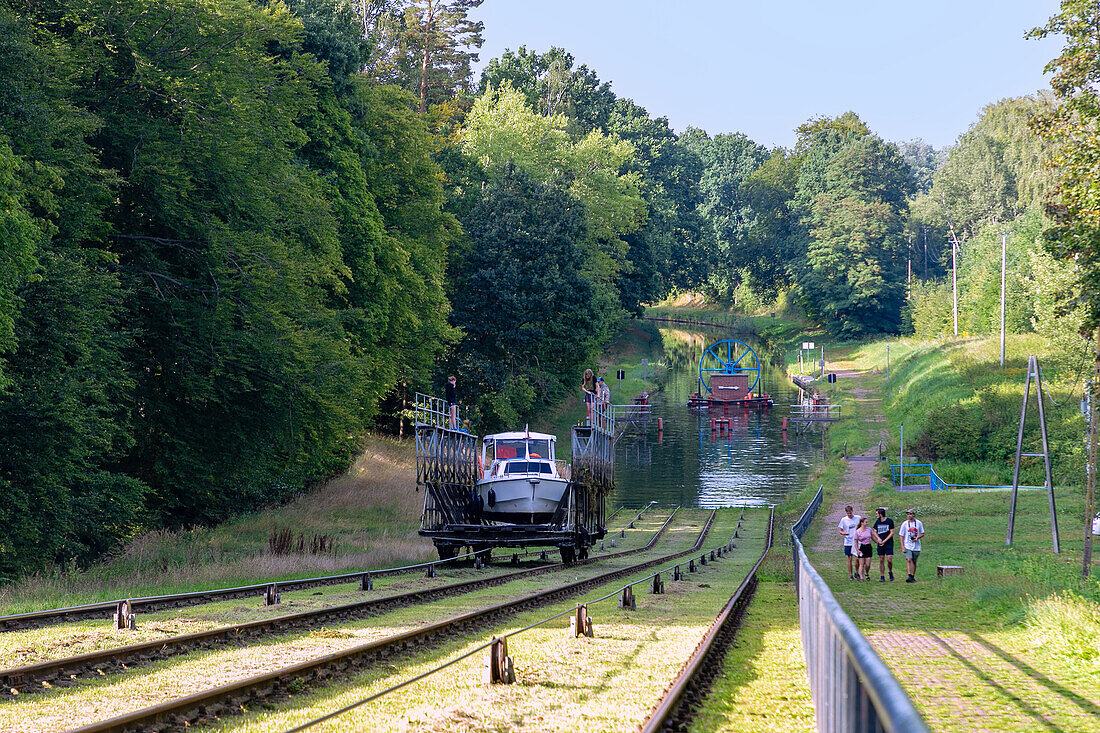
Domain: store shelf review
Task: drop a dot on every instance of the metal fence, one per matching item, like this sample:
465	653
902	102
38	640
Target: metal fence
916	471
852	689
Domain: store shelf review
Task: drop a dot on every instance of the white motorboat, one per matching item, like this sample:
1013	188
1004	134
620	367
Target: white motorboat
521	482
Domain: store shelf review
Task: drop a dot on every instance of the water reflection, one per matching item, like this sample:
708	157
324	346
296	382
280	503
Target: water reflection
751	464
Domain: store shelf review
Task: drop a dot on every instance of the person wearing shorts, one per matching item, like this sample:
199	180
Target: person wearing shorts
847	528
911	532
863	538
884	529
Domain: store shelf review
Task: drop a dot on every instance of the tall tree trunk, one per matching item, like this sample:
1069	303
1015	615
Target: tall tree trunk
424	59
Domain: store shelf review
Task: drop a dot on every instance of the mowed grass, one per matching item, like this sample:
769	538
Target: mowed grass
609	682
1014	642
762	686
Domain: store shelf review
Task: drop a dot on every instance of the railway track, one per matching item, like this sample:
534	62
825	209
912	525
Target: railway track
146	604
684	696
230	699
52	673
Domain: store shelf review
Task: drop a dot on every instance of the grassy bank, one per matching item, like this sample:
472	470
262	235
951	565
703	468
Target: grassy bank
1014	643
371	514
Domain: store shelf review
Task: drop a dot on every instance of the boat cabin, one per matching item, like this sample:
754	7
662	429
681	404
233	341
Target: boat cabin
516	452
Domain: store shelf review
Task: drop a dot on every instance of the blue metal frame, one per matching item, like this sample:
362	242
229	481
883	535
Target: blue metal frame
935	483
728	365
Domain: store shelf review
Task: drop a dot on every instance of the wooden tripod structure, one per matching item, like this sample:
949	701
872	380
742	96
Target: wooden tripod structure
1033	371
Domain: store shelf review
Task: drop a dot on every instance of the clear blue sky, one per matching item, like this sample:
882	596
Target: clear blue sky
762	67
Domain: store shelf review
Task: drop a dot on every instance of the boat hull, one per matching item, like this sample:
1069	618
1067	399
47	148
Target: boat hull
521	499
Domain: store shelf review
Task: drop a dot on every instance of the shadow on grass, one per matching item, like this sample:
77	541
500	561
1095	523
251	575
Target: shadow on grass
1087	705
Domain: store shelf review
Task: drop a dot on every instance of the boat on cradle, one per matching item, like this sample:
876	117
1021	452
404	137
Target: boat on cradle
521	481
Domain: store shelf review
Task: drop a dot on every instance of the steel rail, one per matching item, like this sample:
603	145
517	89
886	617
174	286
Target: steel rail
232	698
465	655
678	703
35	619
31	677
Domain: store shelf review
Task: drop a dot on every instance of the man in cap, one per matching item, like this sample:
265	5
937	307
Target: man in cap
911	530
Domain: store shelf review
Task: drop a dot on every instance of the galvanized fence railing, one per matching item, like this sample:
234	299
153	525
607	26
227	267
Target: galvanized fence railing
852	689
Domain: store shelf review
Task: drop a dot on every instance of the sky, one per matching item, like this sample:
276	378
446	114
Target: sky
909	70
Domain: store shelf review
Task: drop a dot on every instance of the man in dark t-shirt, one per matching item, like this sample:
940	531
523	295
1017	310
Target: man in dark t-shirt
884	527
452	402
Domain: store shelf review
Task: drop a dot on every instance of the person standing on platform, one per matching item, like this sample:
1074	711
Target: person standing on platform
603	392
452	403
847	527
911	531
884	528
588	384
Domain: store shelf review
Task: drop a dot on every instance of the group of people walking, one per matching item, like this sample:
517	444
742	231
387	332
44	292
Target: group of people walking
860	537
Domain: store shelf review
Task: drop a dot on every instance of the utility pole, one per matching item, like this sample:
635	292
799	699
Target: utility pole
1004	238
954	269
909	269
1090	483
924	230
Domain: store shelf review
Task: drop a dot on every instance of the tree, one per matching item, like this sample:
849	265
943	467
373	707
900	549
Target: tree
853	280
436	34
521	297
502	131
1072	127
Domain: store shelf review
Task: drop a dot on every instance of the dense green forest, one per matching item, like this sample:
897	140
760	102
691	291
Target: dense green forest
237	234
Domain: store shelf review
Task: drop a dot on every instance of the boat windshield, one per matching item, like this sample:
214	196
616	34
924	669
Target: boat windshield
518	448
527	467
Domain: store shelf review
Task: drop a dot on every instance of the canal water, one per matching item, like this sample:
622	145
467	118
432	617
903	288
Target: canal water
754	464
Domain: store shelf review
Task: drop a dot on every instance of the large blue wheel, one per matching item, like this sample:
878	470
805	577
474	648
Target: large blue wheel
728	357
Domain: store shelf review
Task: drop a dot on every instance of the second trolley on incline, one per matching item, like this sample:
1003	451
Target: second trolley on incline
510	491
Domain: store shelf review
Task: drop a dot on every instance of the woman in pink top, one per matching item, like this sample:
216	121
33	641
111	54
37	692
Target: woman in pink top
863	538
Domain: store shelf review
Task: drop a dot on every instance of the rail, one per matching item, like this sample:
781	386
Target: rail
823	411
232	698
851	687
432	411
935	483
670	711
497	640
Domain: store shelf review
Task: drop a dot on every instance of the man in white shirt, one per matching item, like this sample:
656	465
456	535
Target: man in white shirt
847	528
911	530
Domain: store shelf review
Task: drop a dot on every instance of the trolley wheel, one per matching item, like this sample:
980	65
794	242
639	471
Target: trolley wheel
446	552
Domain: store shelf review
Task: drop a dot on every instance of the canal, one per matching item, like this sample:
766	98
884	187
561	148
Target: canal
754	464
